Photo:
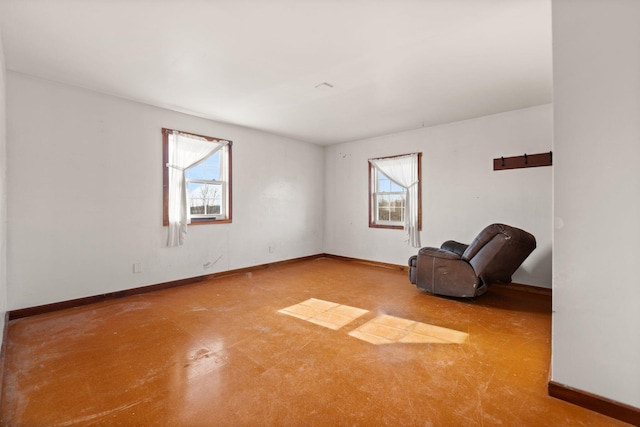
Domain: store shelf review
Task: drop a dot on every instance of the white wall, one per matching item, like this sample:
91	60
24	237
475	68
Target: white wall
85	196
3	194
596	343
461	194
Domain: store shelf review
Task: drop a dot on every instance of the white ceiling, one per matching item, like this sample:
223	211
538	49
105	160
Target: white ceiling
394	65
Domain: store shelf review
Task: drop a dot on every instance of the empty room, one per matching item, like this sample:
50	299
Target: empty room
291	213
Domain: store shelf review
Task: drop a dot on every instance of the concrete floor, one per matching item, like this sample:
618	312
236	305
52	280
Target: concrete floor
223	353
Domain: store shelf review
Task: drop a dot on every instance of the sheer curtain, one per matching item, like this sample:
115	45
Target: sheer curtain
185	150
403	170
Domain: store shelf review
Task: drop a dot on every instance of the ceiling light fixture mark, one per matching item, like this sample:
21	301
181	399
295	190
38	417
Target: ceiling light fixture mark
324	85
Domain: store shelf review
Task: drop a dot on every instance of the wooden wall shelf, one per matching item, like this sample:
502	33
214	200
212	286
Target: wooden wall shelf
524	161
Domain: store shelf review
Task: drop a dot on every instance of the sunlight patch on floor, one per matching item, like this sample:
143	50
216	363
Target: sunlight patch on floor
324	313
384	329
387	329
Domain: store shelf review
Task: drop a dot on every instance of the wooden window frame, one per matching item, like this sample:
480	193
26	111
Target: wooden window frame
372	176
165	181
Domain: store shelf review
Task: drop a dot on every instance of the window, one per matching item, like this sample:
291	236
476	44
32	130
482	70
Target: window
196	181
394	194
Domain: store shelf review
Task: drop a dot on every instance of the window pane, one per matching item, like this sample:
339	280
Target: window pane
396	208
397	214
205	199
395	187
383	208
208	169
385	185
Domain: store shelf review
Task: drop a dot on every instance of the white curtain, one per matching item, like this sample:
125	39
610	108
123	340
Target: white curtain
184	151
403	170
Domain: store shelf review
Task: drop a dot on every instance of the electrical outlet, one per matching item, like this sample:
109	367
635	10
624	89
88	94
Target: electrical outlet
137	267
271	249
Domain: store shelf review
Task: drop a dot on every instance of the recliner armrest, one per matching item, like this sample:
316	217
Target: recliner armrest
438	253
455	247
413	260
413	263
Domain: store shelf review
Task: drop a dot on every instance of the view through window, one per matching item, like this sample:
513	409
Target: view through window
207	188
389	200
201	167
391	204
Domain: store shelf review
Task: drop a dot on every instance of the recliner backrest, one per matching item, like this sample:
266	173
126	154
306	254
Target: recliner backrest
497	252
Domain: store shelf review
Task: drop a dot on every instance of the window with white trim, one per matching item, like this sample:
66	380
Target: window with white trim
207	181
207	187
392	205
389	200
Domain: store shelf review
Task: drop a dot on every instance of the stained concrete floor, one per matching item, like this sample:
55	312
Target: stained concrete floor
222	353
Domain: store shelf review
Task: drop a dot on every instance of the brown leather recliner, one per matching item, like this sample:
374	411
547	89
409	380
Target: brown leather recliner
460	270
